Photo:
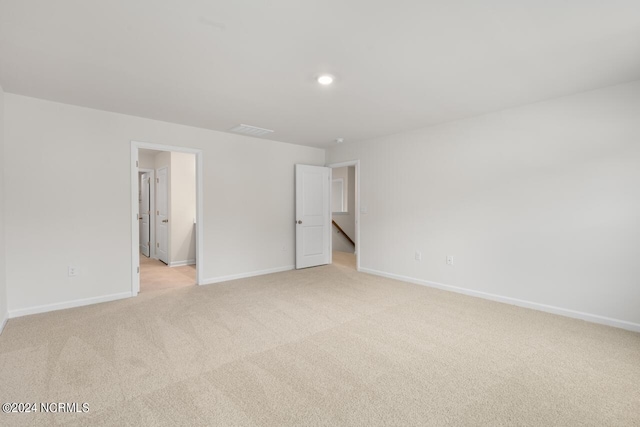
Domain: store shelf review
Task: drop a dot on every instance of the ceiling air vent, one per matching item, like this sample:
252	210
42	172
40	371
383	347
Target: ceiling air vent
251	130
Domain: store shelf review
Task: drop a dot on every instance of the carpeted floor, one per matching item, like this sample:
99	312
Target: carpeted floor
156	275
325	346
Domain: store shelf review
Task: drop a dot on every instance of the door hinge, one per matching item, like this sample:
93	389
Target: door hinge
157	212
157	245
138	269
149	244
158	180
136	163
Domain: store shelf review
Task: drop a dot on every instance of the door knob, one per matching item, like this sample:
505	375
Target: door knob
165	220
299	222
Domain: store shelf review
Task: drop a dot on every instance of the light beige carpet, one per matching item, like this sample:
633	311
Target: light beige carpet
156	275
324	346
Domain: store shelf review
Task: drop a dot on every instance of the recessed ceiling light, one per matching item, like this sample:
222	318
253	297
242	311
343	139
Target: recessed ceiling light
339	140
325	79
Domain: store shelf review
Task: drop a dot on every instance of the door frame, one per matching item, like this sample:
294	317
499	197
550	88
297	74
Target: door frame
355	163
152	204
135	238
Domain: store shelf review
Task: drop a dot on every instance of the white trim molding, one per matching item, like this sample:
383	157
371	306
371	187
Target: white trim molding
67	304
593	318
182	263
246	275
3	323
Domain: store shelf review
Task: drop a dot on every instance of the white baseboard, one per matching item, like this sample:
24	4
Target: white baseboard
593	318
68	304
4	322
245	275
182	263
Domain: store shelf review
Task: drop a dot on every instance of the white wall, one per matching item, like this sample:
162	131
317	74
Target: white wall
147	159
182	208
3	276
162	159
346	221
74	211
340	202
539	203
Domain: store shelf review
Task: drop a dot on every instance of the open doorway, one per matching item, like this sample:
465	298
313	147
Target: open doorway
166	200
345	214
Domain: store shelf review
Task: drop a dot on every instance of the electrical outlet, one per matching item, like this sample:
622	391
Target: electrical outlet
73	271
449	259
418	256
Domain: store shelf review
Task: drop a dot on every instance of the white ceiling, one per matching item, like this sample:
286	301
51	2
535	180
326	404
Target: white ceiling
399	65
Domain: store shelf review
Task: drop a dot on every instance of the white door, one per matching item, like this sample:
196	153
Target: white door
144	211
313	216
162	214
